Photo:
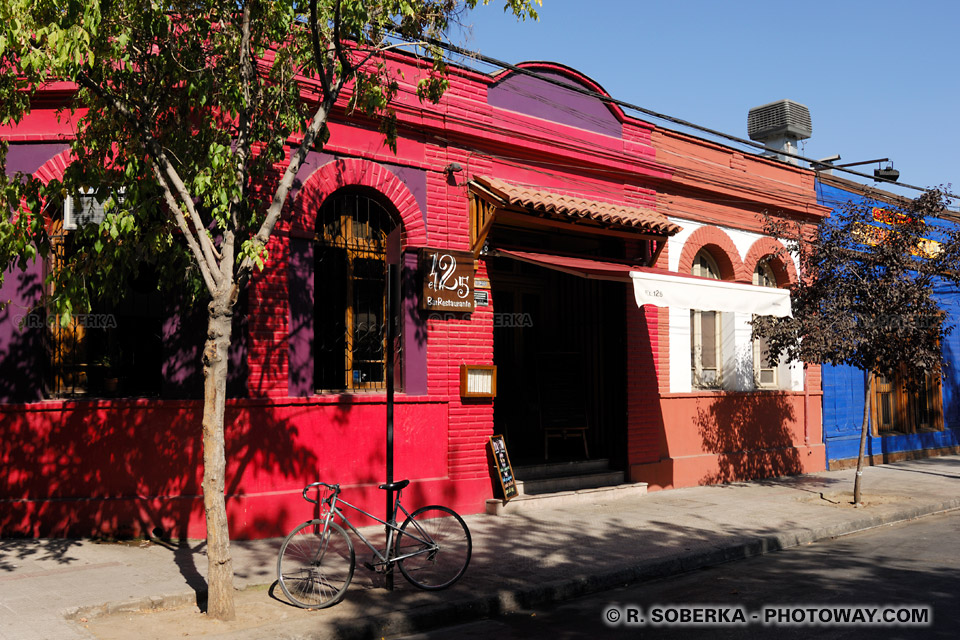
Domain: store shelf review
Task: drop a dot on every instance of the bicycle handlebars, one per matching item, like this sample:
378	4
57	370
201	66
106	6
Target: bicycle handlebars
332	487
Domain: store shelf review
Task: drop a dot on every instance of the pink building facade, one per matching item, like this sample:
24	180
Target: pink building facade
535	187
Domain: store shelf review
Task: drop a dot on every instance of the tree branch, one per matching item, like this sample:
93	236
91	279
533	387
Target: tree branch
154	149
389	47
322	69
181	220
247	77
347	70
286	181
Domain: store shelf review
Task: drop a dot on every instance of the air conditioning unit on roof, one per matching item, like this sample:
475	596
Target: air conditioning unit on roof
780	126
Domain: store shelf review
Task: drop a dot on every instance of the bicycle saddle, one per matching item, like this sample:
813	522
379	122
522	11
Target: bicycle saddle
399	485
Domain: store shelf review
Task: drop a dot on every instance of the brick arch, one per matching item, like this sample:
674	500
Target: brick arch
355	172
55	167
783	268
721	248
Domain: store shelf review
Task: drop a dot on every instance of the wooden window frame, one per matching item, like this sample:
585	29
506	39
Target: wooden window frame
77	369
356	247
904	408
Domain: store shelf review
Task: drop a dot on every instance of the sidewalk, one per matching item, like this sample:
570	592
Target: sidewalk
69	589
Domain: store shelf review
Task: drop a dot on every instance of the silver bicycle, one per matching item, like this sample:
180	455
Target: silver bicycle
432	548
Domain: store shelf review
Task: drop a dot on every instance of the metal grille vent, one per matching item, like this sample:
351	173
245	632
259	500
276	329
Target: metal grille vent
779	119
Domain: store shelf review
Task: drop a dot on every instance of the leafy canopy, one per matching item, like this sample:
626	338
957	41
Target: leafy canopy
865	297
191	120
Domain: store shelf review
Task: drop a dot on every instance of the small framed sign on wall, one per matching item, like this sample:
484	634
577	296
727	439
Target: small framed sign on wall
478	381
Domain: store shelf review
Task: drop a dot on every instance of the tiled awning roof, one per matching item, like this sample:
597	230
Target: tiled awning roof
576	208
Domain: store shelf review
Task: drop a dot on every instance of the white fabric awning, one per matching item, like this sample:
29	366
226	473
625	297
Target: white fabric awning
690	292
667	289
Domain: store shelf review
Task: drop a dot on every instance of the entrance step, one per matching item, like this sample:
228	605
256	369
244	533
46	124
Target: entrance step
554	485
561	469
540	486
536	502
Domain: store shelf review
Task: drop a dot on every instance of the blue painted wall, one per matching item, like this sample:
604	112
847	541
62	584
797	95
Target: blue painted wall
844	386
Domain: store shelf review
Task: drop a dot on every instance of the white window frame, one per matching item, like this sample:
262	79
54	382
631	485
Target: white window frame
92	210
763	276
705	266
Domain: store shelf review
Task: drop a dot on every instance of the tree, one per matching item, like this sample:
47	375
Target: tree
186	107
865	295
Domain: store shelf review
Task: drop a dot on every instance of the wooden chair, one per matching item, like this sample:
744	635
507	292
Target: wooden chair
562	399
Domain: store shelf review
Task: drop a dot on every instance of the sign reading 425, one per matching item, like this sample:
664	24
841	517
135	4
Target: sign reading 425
447	280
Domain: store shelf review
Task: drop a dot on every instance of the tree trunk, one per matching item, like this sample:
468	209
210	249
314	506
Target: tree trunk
863	439
215	361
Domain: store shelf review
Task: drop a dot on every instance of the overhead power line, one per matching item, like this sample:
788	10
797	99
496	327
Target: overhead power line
476	55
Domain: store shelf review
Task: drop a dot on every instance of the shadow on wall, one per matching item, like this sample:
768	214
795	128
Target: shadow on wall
951	383
22	348
184	333
124	468
750	435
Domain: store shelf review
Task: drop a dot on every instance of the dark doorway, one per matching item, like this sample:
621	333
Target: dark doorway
559	349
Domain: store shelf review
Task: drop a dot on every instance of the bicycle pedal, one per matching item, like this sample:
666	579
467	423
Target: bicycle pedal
373	567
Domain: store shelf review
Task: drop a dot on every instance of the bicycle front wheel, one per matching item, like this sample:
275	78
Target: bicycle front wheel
315	567
441	546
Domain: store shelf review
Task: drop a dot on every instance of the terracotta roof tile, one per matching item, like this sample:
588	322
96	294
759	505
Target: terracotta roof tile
576	208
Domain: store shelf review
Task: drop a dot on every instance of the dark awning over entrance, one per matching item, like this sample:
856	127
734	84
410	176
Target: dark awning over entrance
583	267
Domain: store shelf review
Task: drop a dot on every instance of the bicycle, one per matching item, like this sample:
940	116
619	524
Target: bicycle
316	562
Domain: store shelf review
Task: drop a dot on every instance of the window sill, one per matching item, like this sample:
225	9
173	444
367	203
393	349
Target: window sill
884	434
714	393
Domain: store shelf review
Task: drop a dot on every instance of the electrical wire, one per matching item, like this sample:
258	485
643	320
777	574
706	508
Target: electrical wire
466	53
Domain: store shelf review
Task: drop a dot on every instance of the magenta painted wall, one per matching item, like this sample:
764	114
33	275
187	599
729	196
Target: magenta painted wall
118	467
127	467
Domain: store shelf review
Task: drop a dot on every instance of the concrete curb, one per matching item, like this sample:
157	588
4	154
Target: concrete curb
467	609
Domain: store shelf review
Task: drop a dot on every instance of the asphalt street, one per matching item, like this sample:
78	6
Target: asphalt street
903	567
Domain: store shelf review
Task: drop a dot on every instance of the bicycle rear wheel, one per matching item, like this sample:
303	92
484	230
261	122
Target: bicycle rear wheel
315	567
441	541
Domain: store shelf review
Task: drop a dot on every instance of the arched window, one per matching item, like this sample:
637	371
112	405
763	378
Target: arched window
350	292
764	369
705	333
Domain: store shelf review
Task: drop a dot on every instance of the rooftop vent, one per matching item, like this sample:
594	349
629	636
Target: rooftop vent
780	125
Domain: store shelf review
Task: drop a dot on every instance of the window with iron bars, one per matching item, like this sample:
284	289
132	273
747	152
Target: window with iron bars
350	271
114	350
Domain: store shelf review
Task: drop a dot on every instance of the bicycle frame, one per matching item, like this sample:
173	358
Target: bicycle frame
384	560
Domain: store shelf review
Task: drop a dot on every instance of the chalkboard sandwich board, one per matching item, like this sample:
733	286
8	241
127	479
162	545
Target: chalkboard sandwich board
502	468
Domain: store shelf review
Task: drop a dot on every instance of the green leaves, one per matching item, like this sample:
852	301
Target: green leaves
179	135
866	298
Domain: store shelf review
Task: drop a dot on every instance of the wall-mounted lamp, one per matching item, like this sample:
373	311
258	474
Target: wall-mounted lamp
452	170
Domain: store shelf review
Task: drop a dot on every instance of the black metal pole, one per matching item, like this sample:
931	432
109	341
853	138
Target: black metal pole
391	338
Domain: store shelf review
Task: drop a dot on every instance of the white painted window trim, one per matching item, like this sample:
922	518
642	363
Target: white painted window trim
738	362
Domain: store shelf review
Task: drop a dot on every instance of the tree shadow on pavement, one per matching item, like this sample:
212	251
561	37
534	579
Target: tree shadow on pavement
13	551
528	561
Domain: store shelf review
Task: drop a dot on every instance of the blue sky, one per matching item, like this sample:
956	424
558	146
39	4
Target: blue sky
880	77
